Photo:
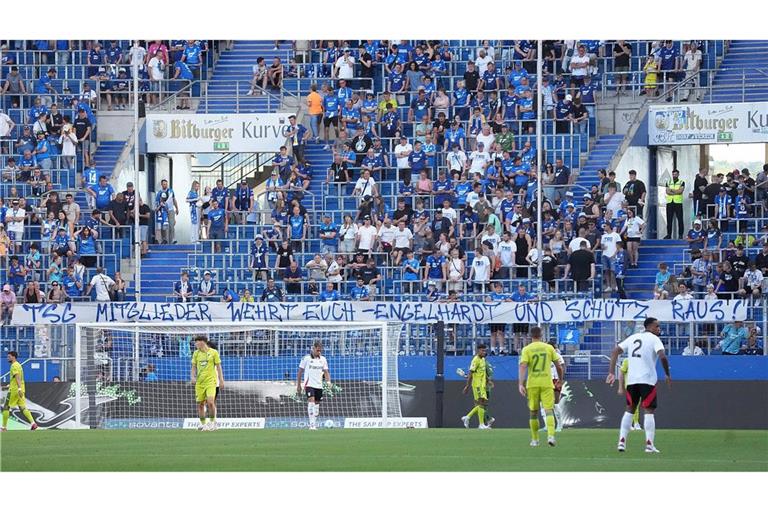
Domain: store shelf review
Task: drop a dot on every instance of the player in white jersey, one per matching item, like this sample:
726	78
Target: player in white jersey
312	369
643	350
558	390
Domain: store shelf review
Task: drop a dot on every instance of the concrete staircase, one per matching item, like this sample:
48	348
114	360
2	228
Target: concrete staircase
599	157
160	269
746	61
640	281
230	79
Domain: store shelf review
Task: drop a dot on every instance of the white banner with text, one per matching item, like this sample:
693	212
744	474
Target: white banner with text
563	311
216	133
711	123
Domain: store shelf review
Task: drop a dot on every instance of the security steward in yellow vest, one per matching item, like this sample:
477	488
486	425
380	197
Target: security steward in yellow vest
675	188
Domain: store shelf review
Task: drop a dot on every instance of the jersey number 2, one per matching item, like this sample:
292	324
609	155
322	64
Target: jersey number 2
638	345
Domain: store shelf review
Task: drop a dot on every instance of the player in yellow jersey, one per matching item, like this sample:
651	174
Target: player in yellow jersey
15	397
206	368
478	379
623	391
536	360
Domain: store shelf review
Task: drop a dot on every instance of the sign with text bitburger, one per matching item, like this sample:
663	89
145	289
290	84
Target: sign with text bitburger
714	123
216	133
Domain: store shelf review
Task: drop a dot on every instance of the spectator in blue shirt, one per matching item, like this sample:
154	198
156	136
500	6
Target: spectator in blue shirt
183	290
669	64
230	295
102	194
696	236
733	337
329	294
328	232
218	223
360	291
272	293
586	92
44	87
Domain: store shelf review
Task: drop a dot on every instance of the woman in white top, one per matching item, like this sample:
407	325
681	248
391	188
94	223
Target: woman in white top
633	230
557	244
194	202
486	137
441	102
347	234
455	272
444	245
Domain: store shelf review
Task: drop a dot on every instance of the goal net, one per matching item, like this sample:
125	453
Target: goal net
139	375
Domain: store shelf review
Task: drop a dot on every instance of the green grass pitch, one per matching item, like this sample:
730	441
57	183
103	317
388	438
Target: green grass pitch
377	450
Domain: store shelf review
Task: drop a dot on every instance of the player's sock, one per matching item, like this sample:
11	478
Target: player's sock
317	411
28	415
311	413
534	422
650	427
626	424
472	412
6	413
481	415
550	422
203	419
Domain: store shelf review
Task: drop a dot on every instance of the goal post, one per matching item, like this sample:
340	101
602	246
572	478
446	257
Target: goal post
138	375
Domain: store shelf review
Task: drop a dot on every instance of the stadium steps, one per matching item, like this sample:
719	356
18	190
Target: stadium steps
161	268
599	158
640	281
742	60
232	75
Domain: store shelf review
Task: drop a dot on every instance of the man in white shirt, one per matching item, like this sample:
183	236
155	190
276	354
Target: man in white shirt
613	198
480	160
575	244
480	274
683	293
642	349
365	186
752	282
608	245
403	242
334	269
457	160
482	61
579	67
506	251
14	219
692	65
6	124
103	283
386	235
137	54
345	66
366	236
402	151
156	74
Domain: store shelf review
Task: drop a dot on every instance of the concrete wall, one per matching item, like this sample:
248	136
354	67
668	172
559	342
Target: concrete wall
116	125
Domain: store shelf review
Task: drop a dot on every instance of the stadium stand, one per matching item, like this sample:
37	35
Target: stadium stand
227	77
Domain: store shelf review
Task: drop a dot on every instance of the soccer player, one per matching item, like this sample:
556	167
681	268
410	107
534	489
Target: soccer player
536	360
643	350
478	377
312	369
623	390
558	386
207	376
15	397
